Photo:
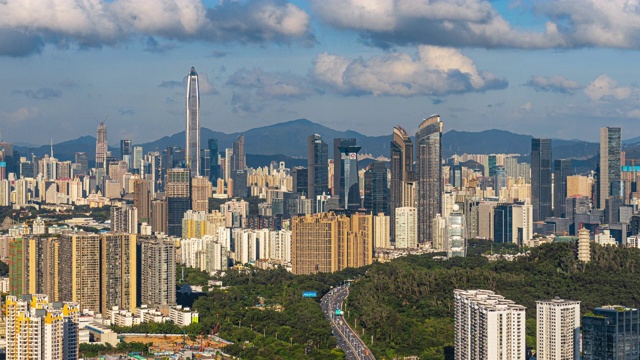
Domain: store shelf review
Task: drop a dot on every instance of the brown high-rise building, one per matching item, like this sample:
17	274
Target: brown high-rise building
142	193
238	159
327	242
201	191
118	281
80	269
159	216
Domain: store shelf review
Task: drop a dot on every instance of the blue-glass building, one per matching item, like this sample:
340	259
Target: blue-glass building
611	333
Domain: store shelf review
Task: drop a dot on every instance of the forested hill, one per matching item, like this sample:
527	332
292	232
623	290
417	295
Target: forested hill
407	304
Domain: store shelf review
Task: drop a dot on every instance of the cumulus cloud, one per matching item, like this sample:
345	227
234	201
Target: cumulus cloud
19	115
205	85
272	85
476	23
528	106
604	88
243	102
435	71
171	84
556	84
26	26
42	93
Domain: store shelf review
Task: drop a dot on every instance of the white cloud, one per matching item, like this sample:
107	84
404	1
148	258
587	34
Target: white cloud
528	106
272	85
20	115
604	87
437	22
25	26
434	71
558	84
569	23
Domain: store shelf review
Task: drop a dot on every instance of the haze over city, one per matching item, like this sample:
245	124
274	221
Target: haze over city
559	69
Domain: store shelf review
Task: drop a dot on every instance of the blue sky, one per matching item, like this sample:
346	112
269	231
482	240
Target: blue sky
559	69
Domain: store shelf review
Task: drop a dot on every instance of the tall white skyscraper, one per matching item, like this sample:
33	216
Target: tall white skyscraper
192	154
488	326
558	327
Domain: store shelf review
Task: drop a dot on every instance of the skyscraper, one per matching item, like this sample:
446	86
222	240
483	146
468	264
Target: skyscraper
192	155
561	169
102	146
214	167
201	190
81	158
125	151
318	167
238	158
376	192
429	175
118	280
80	269
610	167
558	329
541	178
142	194
157	272
178	195
337	163
401	172
349	187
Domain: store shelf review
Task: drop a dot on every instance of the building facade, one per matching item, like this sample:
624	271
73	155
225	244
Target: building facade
541	178
327	242
612	333
37	329
428	175
488	326
192	153
318	167
401	173
558	329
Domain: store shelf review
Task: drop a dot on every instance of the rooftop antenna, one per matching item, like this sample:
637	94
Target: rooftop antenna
51	147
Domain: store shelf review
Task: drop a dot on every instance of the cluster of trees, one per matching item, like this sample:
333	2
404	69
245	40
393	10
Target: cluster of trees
93	350
407	304
264	314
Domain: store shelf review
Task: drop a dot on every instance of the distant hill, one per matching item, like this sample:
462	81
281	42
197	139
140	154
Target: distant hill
287	141
287	138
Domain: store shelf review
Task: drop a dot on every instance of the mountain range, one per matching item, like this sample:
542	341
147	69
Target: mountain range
287	140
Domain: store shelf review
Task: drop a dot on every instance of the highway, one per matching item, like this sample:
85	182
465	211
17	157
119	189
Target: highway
348	340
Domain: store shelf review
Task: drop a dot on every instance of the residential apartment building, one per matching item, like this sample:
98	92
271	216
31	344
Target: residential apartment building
558	329
488	326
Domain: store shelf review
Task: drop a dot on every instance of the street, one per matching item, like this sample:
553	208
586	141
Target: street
348	340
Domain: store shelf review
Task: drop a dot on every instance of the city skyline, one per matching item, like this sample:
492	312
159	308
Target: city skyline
557	70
